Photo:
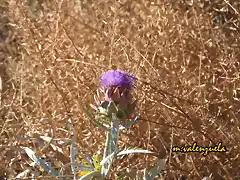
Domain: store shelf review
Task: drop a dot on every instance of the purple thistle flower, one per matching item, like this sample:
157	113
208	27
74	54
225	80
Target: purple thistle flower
116	97
117	78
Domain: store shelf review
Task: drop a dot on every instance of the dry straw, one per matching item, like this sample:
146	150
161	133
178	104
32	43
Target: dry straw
184	54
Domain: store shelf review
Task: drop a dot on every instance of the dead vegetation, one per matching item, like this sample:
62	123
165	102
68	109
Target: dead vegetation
185	55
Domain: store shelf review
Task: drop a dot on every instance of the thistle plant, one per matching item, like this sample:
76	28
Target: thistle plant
114	110
114	106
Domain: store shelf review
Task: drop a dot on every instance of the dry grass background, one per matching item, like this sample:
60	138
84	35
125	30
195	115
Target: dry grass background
185	55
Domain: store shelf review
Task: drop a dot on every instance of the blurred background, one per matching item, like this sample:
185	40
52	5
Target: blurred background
184	54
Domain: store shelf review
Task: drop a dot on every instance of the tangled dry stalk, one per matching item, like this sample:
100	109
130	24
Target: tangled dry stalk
185	55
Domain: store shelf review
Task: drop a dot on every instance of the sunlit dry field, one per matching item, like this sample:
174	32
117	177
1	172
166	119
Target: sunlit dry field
186	59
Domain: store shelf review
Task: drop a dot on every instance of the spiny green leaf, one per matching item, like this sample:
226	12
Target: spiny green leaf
129	123
91	117
90	175
124	152
43	164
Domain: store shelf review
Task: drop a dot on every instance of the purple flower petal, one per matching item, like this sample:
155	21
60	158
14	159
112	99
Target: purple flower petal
117	78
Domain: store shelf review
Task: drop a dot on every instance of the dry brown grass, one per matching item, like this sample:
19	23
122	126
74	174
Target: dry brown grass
185	55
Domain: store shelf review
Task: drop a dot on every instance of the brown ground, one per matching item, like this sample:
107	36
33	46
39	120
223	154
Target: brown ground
185	54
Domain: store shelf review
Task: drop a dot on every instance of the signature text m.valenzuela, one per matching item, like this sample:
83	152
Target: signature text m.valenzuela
204	150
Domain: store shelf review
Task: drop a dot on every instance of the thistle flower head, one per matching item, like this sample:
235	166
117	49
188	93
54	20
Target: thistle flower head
117	78
116	86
